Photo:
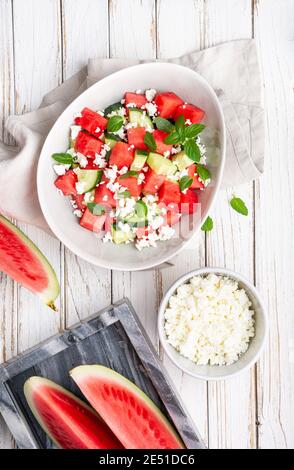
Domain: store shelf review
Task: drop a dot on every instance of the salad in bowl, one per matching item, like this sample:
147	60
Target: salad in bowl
134	168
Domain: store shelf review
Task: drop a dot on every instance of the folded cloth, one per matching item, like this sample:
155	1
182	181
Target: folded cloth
231	68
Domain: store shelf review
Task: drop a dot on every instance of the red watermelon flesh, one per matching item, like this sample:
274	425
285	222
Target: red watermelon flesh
69	422
167	104
169	192
67	183
161	147
104	196
152	182
94	223
136	137
24	262
192	172
88	145
121	155
189	202
92	122
131	185
131	415
137	99
191	112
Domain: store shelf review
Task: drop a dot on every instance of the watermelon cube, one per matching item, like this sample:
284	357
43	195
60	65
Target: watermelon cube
193	174
170	192
104	196
121	155
134	98
92	222
167	104
92	122
136	137
67	183
79	201
152	182
190	112
87	145
161	147
131	185
189	201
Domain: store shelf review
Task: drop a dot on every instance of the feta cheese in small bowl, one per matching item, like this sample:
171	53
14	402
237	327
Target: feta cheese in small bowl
212	323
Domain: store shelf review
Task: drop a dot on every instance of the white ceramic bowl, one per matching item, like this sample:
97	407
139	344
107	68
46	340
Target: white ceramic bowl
161	76
255	346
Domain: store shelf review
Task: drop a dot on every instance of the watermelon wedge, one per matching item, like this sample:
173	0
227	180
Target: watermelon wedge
23	261
130	414
69	422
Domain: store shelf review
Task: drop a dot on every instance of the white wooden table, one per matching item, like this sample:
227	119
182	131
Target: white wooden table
43	42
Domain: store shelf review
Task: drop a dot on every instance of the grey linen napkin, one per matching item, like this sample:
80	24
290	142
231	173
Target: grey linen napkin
231	68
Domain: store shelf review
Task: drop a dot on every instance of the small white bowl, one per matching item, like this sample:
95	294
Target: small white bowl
56	209
256	344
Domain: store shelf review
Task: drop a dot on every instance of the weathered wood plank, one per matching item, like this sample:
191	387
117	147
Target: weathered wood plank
87	288
274	252
8	314
171	16
37	70
231	403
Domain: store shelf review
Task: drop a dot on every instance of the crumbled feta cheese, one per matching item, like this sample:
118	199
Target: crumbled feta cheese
74	131
124	227
60	170
157	222
88	197
123	170
166	154
78	213
114	187
81	160
141	178
111	173
71	152
131	147
80	187
188	122
151	108
176	149
131	105
78	115
101	113
150	94
123	101
138	92
117	112
100	160
105	198
73	203
107	237
131	125
59	192
97	130
210	320
166	232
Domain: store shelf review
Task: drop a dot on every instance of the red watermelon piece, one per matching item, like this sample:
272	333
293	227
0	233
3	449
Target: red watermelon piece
136	137
67	183
161	147
121	155
167	104
139	100
104	196
92	222
169	192
152	182
88	145
189	201
92	122
191	112
193	174
131	185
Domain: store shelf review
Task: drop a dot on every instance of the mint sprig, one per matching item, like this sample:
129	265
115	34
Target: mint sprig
203	172
185	182
163	124
64	158
150	141
192	150
115	123
96	209
193	130
239	205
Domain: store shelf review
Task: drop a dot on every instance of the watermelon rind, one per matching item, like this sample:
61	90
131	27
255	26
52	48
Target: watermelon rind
52	291
103	374
32	386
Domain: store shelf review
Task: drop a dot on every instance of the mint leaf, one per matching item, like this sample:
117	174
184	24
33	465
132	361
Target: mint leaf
163	124
208	225
64	158
193	130
192	150
172	138
149	141
180	126
129	173
239	206
115	123
141	209
185	182
96	209
203	172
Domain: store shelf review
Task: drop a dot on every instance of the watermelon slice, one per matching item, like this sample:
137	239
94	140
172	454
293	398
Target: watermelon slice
129	413
169	192
192	171
159	137
191	112
24	262
131	184
94	223
152	182
67	183
69	422
189	202
167	104
92	122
